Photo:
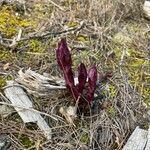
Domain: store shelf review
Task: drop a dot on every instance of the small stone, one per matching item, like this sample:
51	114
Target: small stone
146	9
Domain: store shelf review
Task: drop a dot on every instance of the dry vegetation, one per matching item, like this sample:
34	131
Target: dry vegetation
114	34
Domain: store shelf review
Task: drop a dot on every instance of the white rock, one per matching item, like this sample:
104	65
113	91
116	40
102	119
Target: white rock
146	9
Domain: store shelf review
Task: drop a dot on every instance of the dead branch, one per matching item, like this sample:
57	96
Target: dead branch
10	43
39	84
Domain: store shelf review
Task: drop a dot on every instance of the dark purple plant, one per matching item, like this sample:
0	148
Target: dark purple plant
82	76
63	54
65	62
92	78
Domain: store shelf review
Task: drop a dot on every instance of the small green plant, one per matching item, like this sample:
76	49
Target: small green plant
111	111
2	82
84	138
26	141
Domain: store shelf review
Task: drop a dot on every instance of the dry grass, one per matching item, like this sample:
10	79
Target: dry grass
115	36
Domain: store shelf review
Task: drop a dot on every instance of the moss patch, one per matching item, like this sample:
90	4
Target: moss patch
2	82
10	22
